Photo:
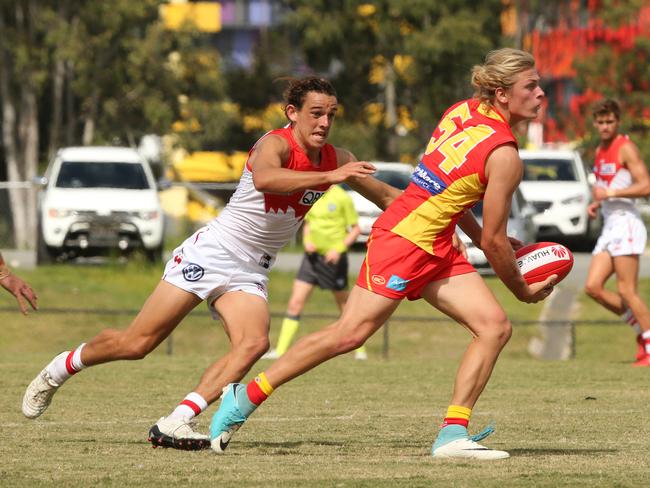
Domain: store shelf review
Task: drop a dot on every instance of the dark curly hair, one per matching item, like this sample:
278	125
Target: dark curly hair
606	107
297	90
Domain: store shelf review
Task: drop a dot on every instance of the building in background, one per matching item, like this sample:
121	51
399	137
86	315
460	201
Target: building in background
237	26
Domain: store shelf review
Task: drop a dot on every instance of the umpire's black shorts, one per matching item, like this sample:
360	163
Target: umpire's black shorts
328	276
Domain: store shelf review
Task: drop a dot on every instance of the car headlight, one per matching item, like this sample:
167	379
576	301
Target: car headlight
572	200
147	214
59	213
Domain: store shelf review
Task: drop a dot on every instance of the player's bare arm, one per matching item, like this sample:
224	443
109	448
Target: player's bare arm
378	192
270	176
504	170
471	227
640	187
629	154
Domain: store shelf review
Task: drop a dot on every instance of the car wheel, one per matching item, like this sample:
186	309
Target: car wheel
154	255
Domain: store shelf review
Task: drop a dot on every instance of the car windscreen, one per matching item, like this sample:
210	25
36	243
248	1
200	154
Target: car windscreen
79	174
549	170
398	179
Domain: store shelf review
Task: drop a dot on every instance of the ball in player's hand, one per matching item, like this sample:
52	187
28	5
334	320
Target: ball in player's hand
540	260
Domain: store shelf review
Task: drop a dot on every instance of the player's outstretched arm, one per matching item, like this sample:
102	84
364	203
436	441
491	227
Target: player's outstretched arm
270	176
380	193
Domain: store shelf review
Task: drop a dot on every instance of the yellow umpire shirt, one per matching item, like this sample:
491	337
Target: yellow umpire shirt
330	219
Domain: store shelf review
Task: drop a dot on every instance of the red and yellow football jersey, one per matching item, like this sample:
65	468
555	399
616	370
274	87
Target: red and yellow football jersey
450	179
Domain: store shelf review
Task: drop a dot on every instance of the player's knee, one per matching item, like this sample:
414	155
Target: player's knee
295	306
503	331
350	343
254	348
343	341
498	330
593	290
627	291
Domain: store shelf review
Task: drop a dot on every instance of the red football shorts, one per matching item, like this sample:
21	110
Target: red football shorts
396	268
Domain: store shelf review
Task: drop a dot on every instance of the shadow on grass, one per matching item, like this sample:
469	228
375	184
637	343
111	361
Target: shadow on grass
560	452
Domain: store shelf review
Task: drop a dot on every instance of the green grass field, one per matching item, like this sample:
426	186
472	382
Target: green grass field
582	422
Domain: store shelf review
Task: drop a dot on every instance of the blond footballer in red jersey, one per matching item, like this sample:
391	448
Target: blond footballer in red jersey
417	229
445	185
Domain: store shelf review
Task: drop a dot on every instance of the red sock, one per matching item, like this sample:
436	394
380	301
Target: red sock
258	389
458	415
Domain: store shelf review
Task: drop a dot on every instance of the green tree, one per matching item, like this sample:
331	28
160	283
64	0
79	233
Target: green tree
84	72
411	59
621	72
23	72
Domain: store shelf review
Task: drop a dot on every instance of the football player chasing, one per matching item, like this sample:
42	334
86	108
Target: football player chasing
226	263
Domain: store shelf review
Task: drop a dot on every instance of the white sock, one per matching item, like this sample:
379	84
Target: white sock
629	318
65	365
192	405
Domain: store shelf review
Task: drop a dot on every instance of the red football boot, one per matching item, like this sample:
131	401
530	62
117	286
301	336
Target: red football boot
640	353
645	361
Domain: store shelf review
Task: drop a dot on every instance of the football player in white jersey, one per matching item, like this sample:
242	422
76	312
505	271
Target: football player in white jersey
226	263
621	176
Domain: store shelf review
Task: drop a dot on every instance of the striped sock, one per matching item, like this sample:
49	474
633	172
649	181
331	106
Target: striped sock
65	365
259	389
192	405
457	415
629	318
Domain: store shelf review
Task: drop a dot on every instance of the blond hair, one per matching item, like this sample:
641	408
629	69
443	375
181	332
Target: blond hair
500	70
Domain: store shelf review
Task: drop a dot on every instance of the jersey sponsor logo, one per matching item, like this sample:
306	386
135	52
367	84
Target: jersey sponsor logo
309	197
396	283
427	180
378	279
193	272
607	169
178	258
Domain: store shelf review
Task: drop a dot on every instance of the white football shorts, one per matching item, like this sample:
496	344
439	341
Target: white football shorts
203	266
624	234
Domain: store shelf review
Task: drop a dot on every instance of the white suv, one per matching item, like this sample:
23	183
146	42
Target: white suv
98	198
395	174
555	183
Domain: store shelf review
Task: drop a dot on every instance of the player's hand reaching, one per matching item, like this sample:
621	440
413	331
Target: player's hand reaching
21	290
515	243
351	171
